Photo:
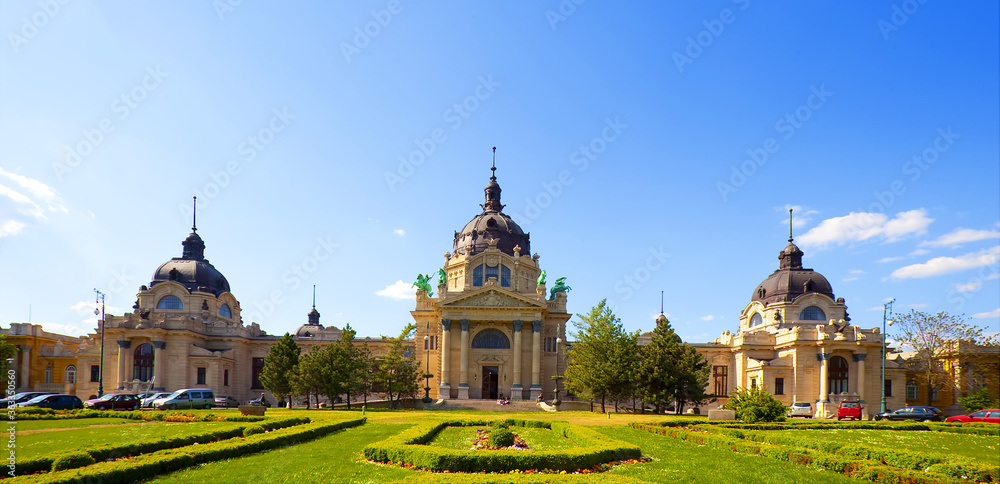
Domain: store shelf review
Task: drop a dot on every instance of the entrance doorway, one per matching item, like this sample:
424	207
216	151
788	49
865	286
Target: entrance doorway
491	384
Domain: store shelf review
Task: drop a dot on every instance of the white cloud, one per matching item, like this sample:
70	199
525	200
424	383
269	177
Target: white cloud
88	307
970	287
399	291
920	252
30	208
69	329
35	187
800	218
857	271
11	227
889	259
707	318
915	306
399	232
946	265
989	314
995	275
863	226
961	236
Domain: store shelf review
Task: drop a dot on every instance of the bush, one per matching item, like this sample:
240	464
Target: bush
756	405
978	401
501	437
72	460
253	430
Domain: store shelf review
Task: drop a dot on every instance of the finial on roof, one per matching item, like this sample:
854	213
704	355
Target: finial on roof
661	302
314	296
494	167
194	215
790	225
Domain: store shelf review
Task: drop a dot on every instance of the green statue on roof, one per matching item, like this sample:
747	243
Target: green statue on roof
442	277
541	279
559	287
422	282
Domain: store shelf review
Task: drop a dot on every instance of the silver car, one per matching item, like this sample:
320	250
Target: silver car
800	409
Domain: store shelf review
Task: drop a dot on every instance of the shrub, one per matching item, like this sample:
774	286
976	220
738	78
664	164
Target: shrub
756	405
253	430
72	460
501	437
501	424
978	401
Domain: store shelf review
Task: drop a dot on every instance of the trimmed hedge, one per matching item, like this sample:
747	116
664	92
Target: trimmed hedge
38	413
72	460
165	461
975	428
407	448
117	451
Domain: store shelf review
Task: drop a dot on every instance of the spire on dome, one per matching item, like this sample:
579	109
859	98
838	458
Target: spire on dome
493	189
313	313
791	256
194	247
790	238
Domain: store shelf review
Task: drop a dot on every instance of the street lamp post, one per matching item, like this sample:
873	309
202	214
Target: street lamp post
100	379
886	309
427	367
557	377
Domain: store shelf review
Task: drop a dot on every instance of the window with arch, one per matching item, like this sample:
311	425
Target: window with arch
70	374
142	368
812	313
756	320
911	390
48	373
170	302
477	276
225	311
837	375
483	273
491	339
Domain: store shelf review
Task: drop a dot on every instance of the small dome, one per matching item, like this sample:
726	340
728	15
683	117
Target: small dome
791	280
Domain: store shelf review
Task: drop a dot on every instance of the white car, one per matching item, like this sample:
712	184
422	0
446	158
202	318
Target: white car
147	402
800	409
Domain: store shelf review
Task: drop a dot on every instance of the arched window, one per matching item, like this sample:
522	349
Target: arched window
812	313
837	375
756	320
491	339
71	374
911	390
143	362
225	312
170	302
493	272
504	276
477	276
48	373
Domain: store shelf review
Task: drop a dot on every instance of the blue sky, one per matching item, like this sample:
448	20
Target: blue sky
647	147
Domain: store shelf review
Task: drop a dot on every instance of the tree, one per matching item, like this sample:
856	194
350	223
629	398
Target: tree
368	367
7	351
935	338
397	370
671	373
280	365
979	400
602	359
350	366
318	372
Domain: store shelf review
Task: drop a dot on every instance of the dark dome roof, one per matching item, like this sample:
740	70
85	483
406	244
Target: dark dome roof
192	269
491	224
791	280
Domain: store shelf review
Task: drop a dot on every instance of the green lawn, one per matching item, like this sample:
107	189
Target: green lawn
536	438
979	447
24	425
44	443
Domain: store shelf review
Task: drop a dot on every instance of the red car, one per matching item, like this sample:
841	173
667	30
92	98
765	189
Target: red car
851	410
114	401
991	415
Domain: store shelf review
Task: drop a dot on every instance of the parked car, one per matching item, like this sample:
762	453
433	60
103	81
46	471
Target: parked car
849	409
991	415
262	400
925	414
800	409
186	398
114	401
19	398
55	402
226	401
147	402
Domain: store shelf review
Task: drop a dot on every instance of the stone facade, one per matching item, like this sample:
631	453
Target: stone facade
45	362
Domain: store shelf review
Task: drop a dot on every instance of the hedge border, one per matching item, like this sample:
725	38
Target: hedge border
408	447
143	467
973	428
33	414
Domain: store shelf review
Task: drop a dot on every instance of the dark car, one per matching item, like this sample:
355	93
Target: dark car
227	402
991	415
849	409
923	414
19	398
55	402
114	401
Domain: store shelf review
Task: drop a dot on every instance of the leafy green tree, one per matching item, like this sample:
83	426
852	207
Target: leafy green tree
7	350
601	359
756	405
368	367
397	370
350	367
280	366
318	372
671	373
934	338
979	400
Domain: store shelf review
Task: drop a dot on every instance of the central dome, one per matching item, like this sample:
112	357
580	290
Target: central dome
191	269
491	224
791	280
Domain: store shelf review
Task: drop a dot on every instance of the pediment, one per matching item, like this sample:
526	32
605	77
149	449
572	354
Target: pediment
491	298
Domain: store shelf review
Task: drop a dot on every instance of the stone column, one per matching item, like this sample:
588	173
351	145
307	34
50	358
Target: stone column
158	363
536	359
444	389
25	367
463	377
859	359
122	356
824	384
516	390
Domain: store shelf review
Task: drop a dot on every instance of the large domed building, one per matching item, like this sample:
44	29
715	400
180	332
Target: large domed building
490	329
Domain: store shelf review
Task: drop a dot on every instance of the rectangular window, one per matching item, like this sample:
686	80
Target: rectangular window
95	372
434	342
477	276
934	392
888	388
256	368
911	390
427	344
779	386
753	383
493	272
504	276
202	373
720	375
225	378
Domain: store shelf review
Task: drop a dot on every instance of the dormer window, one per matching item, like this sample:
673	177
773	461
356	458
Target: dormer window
812	313
225	311
170	302
756	320
483	273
